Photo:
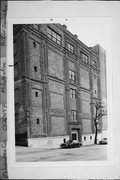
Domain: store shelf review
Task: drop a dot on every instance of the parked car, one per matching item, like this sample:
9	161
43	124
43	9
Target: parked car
103	141
71	144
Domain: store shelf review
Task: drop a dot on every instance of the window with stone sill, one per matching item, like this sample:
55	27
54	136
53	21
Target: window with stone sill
73	93
54	36
70	48
85	58
73	115
72	75
94	64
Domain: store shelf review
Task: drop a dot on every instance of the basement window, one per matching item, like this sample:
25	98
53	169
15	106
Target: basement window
90	137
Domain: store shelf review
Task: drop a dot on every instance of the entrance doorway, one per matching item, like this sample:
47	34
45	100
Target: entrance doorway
75	135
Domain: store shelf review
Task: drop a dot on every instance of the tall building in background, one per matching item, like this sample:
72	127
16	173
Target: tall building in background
56	78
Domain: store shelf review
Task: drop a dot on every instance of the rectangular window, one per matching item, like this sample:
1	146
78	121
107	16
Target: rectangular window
35	68
85	58
94	64
72	75
34	44
90	137
84	138
38	121
73	93
54	36
70	48
36	94
74	115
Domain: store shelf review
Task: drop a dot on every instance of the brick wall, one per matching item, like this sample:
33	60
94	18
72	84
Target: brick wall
34	51
71	65
84	78
20	113
56	95
85	102
36	109
57	106
55	64
95	85
86	126
57	125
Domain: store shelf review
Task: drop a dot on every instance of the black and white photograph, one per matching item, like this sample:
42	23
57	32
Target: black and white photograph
60	91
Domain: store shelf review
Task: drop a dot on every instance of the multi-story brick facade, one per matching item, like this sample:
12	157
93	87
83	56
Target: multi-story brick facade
56	79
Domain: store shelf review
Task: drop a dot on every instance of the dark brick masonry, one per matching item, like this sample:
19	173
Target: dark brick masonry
56	78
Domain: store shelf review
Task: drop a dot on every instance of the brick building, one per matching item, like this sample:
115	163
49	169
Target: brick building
56	78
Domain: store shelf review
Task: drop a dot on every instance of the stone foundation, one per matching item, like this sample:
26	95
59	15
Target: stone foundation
47	142
88	139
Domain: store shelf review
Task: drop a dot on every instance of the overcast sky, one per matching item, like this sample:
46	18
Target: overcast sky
91	31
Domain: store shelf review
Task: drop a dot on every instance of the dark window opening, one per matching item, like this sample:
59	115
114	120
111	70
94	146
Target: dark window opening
84	138
38	121
35	68
91	137
74	136
34	44
36	94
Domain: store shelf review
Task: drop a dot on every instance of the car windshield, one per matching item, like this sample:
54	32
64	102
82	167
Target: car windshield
75	141
69	141
104	138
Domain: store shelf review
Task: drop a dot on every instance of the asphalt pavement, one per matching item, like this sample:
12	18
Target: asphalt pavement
84	153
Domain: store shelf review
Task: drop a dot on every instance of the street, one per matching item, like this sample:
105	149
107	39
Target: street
84	153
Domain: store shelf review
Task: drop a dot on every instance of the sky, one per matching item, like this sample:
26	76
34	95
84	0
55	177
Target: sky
91	31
